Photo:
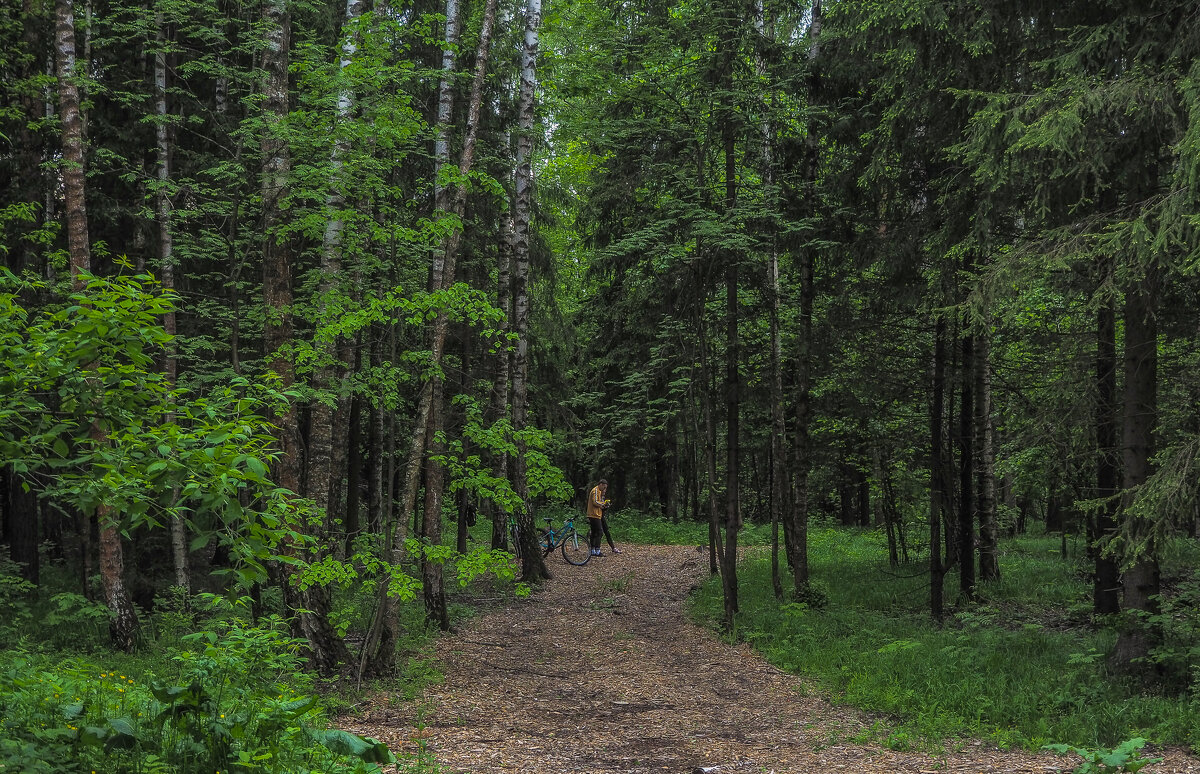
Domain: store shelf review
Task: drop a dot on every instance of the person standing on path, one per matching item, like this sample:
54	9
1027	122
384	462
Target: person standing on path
597	505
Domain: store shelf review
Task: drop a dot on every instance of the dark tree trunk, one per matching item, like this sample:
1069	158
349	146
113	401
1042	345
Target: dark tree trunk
716	550
884	507
502	374
966	502
733	512
937	467
989	553
776	582
1106	587
344	438
796	532
1141	581
733	515
431	569
673	473
796	517
463	497
354	467
950	520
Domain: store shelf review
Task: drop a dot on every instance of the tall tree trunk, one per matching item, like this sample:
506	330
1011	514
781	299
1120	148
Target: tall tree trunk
533	569
331	368
353	468
989	553
444	276
733	513
432	584
464	497
778	473
937	467
162	214
966	489
671	469
716	547
796	523
1107	581
1141	581
124	624
503	370
863	486
310	607
342	437
950	487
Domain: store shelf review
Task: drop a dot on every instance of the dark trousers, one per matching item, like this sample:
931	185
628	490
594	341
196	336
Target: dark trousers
596	529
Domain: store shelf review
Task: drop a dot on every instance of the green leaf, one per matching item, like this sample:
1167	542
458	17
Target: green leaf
363	748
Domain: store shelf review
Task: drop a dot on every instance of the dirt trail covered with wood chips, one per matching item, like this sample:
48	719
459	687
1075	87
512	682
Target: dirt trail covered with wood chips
601	672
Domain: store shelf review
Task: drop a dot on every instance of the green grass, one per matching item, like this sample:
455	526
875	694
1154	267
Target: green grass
1024	667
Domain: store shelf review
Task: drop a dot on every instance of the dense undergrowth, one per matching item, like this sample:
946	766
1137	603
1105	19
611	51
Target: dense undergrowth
209	689
1024	666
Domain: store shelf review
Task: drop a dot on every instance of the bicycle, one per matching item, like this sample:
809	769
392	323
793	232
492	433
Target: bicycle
575	548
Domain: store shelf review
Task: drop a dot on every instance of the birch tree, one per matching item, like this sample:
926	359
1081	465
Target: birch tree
533	568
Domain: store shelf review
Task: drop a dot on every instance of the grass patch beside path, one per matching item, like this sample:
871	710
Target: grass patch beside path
1022	668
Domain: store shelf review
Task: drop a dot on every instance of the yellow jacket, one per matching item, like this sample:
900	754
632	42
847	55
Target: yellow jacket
595	506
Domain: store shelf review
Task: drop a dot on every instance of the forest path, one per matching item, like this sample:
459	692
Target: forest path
602	672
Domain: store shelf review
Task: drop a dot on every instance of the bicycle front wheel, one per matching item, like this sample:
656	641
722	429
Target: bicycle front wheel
575	549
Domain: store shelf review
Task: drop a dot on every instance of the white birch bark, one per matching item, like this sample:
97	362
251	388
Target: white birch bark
162	214
333	366
533	568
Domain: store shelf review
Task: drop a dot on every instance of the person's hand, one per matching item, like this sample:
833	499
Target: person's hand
606	504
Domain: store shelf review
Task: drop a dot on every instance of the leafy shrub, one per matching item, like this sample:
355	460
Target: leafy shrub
1125	757
237	702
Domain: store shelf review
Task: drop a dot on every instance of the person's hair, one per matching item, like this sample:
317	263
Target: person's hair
603	481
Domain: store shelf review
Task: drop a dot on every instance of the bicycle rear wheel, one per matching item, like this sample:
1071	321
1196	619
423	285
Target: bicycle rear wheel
575	549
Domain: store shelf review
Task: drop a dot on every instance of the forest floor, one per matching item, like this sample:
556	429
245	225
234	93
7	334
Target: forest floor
602	672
